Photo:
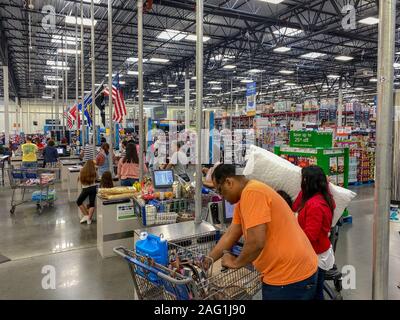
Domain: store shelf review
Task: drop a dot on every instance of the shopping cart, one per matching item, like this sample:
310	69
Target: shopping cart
189	255
30	179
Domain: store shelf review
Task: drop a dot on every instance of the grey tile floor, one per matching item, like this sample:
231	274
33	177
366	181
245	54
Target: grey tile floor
56	238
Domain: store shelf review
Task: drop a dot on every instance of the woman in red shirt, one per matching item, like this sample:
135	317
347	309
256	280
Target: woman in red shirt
315	206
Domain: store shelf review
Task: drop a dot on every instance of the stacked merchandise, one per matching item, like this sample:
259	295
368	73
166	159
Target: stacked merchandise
46	178
336	171
44	196
353	169
310	105
366	165
301	162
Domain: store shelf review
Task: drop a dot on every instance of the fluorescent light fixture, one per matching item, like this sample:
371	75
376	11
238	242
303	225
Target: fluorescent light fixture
216	88
333	76
48	86
272	1
167	95
170	34
288	31
398	53
47	97
134	60
159	60
90	1
246	81
193	78
178	98
214	82
86	21
284	71
122	82
396	65
155	91
229	67
373	80
256	71
52	78
164	100
193	37
343	58
172	86
59	68
56	63
369	21
313	55
132	73
282	49
113	75
290	84
359	89
68	51
220	57
66	39
153	83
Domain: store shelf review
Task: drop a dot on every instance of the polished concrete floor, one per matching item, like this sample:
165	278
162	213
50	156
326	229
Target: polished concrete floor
55	238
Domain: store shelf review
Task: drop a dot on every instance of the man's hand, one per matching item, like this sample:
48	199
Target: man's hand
229	261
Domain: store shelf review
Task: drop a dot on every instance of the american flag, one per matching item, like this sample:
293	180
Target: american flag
118	100
72	116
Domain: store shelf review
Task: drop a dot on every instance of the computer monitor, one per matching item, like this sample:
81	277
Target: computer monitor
163	179
228	211
60	151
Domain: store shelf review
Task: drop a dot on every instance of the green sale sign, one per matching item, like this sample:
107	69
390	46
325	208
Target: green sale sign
311	139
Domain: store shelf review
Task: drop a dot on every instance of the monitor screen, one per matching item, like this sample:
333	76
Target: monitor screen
60	150
163	178
228	211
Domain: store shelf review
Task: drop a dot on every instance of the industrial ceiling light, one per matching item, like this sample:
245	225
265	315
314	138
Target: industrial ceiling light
122	82
193	37
132	73
216	88
178	98
113	75
246	81
164	100
68	51
290	32
229	67
369	21
214	82
52	78
343	58
174	35
134	60
373	80
59	68
312	55
172	85
48	86
333	76
155	91
159	60
61	39
256	71
282	49
47	97
284	71
94	1
86	22
359	89
56	63
291	84
193	78
396	65
273	1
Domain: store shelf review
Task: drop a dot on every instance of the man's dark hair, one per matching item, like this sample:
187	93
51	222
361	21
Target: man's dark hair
286	197
51	143
223	171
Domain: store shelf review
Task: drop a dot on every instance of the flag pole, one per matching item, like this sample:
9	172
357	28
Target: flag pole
82	81
140	86
93	111
76	71
110	102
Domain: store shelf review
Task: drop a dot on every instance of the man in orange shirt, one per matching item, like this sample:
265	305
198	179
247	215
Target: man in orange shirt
274	242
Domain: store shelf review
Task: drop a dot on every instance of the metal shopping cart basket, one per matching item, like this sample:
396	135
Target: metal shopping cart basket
30	179
185	278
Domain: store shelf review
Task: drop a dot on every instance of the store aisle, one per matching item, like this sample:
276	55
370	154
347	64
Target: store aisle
355	247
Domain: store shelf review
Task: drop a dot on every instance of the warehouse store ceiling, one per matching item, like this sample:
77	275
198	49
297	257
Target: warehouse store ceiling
290	48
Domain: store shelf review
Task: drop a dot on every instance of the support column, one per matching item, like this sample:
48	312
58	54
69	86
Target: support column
110	71
6	106
384	149
140	87
199	106
83	81
340	108
21	119
92	59
76	70
187	100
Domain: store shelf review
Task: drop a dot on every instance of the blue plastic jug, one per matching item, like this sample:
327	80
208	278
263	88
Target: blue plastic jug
154	247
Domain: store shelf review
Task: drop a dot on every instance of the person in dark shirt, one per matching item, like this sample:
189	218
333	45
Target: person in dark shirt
50	155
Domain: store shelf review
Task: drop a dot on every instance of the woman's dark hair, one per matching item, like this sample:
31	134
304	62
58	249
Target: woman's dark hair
313	181
51	143
286	197
106	180
222	172
106	147
131	155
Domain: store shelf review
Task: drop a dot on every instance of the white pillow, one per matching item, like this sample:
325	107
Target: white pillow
280	174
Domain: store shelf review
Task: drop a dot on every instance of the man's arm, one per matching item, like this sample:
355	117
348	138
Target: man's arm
228	240
254	244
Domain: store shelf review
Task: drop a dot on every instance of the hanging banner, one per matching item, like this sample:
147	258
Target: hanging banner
251	93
